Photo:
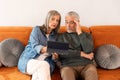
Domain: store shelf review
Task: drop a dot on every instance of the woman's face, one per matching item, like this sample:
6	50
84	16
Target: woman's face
54	21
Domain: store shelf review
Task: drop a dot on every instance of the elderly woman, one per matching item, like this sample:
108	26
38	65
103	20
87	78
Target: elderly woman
35	60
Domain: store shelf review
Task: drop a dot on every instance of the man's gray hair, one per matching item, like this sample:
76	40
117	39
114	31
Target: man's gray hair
74	14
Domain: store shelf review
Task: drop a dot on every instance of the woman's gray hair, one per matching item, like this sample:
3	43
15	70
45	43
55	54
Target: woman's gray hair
74	14
50	14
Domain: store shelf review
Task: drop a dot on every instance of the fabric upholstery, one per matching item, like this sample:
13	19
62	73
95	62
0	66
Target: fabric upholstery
106	34
18	32
12	73
100	35
108	56
10	51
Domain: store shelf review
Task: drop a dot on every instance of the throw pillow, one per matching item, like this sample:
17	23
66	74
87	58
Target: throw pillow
10	51
108	56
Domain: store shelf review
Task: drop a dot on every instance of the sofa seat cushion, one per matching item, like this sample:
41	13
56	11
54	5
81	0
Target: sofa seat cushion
105	74
12	73
10	51
108	56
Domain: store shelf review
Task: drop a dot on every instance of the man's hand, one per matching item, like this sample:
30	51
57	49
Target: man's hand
44	50
78	28
88	56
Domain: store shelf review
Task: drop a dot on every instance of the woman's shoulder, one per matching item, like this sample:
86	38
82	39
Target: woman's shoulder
37	28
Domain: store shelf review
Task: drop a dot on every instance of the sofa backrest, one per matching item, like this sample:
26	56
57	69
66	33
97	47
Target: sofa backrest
18	32
101	34
22	33
108	34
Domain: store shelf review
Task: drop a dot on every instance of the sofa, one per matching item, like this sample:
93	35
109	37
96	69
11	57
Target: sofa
104	34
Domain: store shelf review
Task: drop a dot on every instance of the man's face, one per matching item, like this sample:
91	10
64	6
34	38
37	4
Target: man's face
70	24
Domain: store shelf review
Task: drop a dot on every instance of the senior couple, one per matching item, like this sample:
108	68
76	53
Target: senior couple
77	65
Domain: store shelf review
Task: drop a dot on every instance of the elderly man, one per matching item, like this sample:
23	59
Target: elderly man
78	64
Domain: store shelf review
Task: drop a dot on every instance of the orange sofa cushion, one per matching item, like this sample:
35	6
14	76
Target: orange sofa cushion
18	32
12	73
106	35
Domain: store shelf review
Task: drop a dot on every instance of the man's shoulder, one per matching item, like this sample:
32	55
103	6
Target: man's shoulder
86	33
60	34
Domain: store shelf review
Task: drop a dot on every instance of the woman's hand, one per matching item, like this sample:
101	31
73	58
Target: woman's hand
55	56
44	50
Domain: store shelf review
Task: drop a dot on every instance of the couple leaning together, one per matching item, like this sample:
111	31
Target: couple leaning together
78	64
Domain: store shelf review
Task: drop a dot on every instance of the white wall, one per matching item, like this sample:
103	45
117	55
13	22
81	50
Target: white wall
33	12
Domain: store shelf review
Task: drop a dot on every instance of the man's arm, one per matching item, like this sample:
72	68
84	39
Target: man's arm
88	56
85	38
61	38
86	42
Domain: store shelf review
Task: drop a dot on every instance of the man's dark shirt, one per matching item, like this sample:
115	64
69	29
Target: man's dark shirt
77	43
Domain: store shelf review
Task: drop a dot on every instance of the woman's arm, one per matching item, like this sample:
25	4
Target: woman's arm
34	39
